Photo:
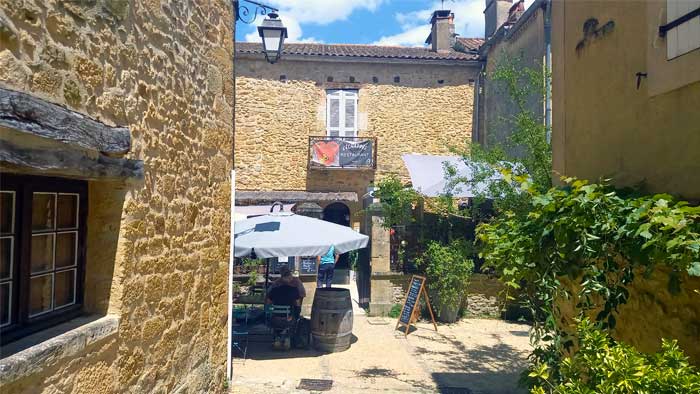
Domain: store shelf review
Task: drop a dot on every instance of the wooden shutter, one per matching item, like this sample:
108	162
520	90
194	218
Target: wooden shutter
686	36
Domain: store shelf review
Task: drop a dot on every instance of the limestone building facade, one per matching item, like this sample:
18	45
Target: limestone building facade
116	148
635	122
387	100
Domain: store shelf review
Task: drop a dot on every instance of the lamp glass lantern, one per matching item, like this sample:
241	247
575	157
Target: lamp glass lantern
273	34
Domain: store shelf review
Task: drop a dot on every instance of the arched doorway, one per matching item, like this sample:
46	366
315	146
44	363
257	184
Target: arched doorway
339	213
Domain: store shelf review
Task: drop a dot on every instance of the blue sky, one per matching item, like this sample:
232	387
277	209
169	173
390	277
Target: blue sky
382	22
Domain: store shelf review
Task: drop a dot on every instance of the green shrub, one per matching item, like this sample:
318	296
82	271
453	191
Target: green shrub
602	365
448	269
395	311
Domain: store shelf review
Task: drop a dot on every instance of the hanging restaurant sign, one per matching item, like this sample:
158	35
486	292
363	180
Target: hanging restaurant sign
342	152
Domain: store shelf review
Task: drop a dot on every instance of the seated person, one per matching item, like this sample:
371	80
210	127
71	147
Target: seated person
284	291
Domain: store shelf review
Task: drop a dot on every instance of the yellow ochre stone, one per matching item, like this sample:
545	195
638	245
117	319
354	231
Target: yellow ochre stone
157	250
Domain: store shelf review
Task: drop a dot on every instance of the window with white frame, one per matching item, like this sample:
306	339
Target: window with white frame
341	113
683	24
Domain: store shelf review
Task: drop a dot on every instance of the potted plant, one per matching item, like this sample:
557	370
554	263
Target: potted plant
447	269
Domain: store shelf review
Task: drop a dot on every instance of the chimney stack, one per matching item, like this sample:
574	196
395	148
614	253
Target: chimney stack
496	14
442	33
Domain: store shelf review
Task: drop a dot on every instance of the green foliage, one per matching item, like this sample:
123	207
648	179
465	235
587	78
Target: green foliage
395	311
447	268
397	201
252	265
603	366
523	152
593	237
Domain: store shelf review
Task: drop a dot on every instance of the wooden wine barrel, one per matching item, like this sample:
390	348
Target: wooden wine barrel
331	320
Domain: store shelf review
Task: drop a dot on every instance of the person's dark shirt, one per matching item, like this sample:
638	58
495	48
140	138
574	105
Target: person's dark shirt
284	295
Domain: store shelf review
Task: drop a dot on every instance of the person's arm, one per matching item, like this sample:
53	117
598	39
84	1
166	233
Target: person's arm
318	262
300	287
337	256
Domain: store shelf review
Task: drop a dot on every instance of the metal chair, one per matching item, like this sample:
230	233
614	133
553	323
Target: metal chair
281	321
240	332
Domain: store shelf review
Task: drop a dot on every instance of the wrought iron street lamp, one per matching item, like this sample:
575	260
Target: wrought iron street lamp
273	34
272	31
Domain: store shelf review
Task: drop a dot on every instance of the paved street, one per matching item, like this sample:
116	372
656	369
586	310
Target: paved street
477	356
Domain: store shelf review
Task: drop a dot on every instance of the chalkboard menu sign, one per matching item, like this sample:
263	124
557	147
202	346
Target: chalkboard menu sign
307	265
415	289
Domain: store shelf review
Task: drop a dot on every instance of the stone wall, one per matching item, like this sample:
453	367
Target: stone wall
483	295
428	111
157	251
652	312
646	133
525	48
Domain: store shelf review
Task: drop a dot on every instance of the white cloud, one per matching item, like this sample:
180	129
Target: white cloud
294	13
294	32
469	22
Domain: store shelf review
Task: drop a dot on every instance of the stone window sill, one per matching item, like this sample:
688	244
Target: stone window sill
32	354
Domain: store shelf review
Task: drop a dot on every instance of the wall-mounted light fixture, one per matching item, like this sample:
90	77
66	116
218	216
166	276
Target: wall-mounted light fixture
272	31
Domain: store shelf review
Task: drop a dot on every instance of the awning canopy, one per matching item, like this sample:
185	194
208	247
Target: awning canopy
246	211
291	196
428	176
283	234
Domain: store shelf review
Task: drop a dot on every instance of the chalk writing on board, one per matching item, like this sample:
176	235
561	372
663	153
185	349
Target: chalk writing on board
307	265
411	300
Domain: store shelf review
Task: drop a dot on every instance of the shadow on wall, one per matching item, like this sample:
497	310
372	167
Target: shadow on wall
106	205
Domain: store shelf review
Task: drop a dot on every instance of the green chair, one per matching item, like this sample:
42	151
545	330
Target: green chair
240	332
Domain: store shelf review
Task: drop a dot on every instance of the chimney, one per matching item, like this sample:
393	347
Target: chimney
496	14
442	33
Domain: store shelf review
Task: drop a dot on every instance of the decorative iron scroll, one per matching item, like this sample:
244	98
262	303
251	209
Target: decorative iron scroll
247	13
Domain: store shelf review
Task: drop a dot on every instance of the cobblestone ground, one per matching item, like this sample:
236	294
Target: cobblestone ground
475	356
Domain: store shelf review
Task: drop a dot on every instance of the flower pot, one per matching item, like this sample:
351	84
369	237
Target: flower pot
449	313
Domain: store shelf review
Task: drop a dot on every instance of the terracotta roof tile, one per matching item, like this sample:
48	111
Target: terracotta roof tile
366	51
471	44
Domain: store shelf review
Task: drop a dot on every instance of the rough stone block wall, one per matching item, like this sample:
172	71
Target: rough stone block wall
429	111
157	251
652	312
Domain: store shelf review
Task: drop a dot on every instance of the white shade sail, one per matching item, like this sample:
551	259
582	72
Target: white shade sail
428	176
283	234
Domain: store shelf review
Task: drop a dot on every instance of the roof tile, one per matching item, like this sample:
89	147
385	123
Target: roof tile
369	51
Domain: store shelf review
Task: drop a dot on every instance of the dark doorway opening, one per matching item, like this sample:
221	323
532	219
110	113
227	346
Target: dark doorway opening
339	213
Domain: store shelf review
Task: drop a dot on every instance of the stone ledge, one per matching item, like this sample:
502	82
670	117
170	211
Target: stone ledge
32	354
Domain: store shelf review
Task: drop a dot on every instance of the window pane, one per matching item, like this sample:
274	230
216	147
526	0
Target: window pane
67	213
350	113
5	294
42	252
64	293
65	249
6	212
334	113
43	211
6	257
40	294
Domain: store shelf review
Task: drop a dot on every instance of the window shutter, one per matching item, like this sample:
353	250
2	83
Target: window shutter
334	114
686	36
350	112
341	113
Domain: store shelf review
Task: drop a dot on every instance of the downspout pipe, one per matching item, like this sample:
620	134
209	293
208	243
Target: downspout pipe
548	68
